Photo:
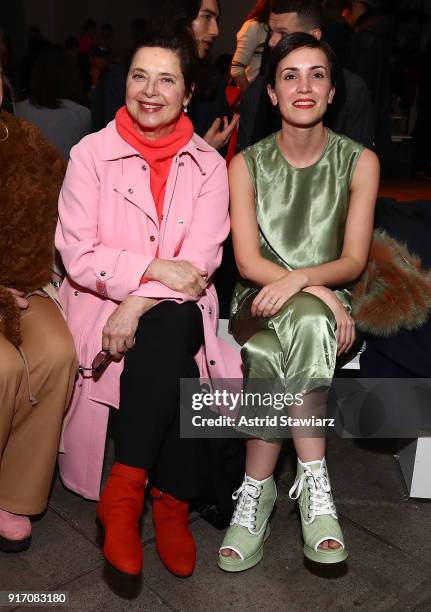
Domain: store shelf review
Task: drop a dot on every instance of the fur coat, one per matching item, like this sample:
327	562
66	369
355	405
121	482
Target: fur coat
394	291
31	175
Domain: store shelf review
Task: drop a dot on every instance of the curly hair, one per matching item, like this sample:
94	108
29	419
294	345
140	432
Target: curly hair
31	175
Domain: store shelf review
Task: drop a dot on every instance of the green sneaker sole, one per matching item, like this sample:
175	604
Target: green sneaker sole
324	556
237	565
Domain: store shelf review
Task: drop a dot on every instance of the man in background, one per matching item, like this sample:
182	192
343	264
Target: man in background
350	113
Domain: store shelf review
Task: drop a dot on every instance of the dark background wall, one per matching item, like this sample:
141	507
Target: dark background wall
58	19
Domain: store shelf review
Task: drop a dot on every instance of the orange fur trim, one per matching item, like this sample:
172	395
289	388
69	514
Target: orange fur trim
393	292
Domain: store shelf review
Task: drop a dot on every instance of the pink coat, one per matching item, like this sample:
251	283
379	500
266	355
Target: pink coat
108	234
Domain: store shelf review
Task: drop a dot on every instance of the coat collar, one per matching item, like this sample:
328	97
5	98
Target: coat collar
114	147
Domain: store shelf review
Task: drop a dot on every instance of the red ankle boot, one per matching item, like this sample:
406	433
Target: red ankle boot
174	541
119	511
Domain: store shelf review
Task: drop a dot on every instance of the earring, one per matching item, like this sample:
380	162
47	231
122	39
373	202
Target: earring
6	131
185	109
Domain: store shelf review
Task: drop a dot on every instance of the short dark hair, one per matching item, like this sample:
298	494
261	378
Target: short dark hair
182	47
310	12
290	43
54	78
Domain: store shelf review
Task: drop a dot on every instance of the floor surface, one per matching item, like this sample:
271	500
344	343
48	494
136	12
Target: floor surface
388	538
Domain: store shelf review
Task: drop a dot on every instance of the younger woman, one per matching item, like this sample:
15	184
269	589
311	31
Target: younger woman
302	217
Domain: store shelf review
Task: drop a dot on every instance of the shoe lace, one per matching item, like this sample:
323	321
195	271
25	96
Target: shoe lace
247	497
320	496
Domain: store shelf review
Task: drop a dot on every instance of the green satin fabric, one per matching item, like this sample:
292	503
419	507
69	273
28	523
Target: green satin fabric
301	214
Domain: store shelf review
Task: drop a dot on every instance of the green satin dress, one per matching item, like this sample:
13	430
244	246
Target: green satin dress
301	214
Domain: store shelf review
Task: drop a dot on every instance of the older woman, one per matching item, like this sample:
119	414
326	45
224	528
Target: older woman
37	356
209	109
143	214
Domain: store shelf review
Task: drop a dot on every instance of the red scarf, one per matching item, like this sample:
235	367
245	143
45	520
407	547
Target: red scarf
158	153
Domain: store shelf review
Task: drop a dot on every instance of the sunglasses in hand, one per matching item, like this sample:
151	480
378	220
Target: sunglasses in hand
99	365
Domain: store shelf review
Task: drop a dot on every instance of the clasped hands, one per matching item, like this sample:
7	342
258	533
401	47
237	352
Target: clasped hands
272	297
118	334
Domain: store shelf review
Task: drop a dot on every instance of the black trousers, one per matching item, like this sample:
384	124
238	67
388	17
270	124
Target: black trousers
148	424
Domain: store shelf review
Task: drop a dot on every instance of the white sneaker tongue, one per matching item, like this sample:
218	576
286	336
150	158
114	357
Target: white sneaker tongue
314	463
255	482
314	466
